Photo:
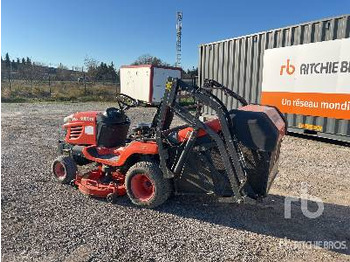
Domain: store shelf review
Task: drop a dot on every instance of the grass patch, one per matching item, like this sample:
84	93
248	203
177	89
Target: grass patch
14	99
59	91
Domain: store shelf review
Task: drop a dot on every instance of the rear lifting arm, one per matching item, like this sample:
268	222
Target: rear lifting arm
227	144
210	84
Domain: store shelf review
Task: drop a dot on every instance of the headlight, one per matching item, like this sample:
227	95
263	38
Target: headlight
68	118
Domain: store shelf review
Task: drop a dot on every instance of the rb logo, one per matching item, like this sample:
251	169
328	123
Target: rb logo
289	68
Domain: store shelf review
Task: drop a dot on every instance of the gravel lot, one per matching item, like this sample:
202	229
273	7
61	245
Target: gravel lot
45	221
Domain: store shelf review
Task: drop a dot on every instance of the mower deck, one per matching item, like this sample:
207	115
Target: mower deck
92	184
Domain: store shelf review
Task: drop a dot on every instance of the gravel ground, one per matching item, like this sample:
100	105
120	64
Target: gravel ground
45	221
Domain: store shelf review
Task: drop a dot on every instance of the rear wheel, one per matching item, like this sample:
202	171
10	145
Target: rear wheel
146	186
64	169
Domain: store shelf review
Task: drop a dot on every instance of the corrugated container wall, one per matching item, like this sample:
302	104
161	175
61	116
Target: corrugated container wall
238	64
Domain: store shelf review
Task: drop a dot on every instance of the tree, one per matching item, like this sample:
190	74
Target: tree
149	60
14	65
105	72
2	68
91	66
8	66
7	60
39	71
193	71
28	61
117	76
112	73
102	71
23	61
62	72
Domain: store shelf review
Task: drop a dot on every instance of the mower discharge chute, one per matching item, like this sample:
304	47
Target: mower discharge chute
234	155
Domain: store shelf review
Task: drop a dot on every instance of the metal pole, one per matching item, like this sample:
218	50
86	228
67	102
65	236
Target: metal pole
50	83
31	77
84	84
179	17
10	75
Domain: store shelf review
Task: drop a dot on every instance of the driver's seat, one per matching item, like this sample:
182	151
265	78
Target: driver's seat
112	128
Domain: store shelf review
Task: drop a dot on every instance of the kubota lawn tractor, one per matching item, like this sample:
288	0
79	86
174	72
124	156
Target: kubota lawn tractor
234	155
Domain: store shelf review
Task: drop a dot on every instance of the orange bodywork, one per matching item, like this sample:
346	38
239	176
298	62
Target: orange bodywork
183	134
121	154
81	130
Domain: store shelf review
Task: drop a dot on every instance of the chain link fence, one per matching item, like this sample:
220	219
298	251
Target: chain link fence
53	84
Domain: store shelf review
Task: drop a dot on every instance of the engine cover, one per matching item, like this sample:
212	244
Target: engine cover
81	129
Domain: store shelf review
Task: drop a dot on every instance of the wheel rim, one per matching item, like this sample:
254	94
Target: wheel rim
59	170
142	187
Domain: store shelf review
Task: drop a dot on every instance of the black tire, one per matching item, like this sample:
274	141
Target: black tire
64	169
161	187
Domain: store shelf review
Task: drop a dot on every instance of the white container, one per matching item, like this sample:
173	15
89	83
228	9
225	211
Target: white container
146	82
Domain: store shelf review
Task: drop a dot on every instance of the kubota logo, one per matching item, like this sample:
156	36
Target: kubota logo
289	68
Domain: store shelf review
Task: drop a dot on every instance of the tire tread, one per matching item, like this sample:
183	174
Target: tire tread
70	166
163	186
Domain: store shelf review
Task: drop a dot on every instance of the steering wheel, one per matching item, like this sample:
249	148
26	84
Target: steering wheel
126	101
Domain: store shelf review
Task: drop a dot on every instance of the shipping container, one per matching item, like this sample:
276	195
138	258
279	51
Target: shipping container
146	82
302	69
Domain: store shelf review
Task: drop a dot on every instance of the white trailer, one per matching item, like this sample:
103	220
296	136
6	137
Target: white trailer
146	82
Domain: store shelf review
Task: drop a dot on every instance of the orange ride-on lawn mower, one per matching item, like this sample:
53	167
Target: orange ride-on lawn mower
234	155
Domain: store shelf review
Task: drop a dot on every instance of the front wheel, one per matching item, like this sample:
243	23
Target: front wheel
146	186
64	169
